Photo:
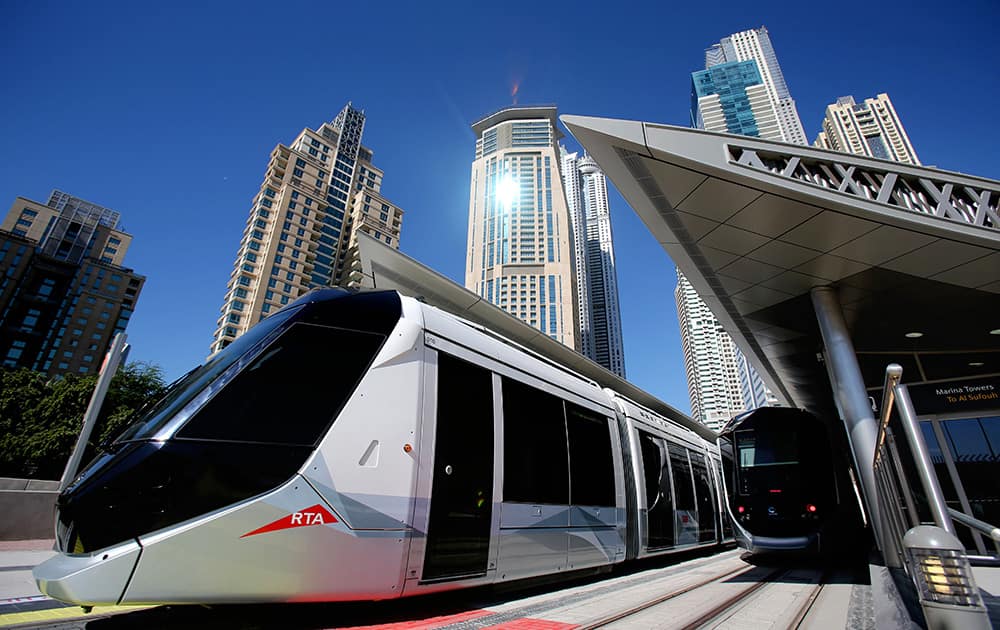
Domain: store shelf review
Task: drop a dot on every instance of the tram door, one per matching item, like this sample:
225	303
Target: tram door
458	534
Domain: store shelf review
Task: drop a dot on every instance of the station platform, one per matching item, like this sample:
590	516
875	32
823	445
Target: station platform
687	591
726	589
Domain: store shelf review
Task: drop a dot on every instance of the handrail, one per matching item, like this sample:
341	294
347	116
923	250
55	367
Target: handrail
974	523
893	373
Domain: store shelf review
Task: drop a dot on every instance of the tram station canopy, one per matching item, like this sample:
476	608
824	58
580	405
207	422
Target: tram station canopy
755	225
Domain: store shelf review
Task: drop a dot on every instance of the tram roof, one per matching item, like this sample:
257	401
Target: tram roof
383	267
754	225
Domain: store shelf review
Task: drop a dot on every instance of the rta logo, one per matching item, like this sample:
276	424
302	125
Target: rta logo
315	515
307	518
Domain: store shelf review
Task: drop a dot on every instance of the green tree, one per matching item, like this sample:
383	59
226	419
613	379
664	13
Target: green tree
41	419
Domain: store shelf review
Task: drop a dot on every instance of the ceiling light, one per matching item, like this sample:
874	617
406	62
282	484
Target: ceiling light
995	331
976	364
914	335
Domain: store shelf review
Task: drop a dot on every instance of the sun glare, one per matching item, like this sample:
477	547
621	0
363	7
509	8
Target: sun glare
507	190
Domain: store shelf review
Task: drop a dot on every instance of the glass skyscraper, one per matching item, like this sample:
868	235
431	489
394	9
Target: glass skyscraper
769	99
741	91
519	255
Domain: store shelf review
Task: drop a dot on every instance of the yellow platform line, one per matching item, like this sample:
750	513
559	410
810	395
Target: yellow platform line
56	614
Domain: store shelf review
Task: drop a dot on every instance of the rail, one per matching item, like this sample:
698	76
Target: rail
990	531
918	533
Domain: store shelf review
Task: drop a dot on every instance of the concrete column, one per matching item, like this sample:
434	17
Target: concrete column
852	398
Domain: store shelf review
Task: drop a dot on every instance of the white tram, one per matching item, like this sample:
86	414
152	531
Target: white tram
362	446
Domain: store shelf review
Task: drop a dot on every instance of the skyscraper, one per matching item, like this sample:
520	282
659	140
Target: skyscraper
871	128
519	255
64	293
599	317
755	45
731	98
711	361
316	195
741	91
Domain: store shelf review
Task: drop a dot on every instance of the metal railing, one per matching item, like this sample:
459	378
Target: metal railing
909	497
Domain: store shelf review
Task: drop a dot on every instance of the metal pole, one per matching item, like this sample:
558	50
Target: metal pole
852	398
955	481
922	460
111	362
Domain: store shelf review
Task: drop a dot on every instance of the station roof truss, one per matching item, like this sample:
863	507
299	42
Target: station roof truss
755	225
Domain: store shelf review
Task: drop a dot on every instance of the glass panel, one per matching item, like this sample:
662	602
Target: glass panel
591	464
991	427
283	396
684	503
976	466
706	502
659	502
458	536
535	458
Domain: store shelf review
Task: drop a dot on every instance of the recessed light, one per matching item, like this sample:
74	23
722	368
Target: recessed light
914	335
976	364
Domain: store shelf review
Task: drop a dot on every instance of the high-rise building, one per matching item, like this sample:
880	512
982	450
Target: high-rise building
741	91
755	45
599	316
64	292
519	254
731	98
302	229
871	128
711	361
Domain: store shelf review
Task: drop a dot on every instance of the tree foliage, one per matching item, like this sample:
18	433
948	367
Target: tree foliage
41	418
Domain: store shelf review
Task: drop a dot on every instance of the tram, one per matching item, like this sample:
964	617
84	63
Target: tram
366	446
788	488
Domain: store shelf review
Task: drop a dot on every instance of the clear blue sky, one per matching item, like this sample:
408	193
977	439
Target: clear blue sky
167	113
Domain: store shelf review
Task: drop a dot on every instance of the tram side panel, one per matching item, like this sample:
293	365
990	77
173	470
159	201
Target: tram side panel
336	531
677	501
540	525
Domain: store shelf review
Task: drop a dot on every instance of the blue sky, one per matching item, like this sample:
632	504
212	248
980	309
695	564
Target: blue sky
168	112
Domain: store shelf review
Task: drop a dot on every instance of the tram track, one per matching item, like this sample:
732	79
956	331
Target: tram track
732	610
634	610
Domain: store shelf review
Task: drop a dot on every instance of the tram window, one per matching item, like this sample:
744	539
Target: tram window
591	467
535	466
706	504
286	396
682	477
659	502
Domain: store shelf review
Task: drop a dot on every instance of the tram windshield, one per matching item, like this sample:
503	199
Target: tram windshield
758	449
180	393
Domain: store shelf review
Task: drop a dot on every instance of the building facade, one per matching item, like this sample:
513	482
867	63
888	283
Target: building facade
741	91
731	98
598	312
871	128
64	292
519	254
317	194
711	361
755	45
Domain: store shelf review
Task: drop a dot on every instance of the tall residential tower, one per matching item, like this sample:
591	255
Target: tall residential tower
64	292
871	128
594	261
519	255
755	45
316	195
741	91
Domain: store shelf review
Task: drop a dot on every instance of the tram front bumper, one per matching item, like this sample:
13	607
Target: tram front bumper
89	579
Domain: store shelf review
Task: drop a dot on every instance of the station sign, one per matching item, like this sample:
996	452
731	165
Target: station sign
965	395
